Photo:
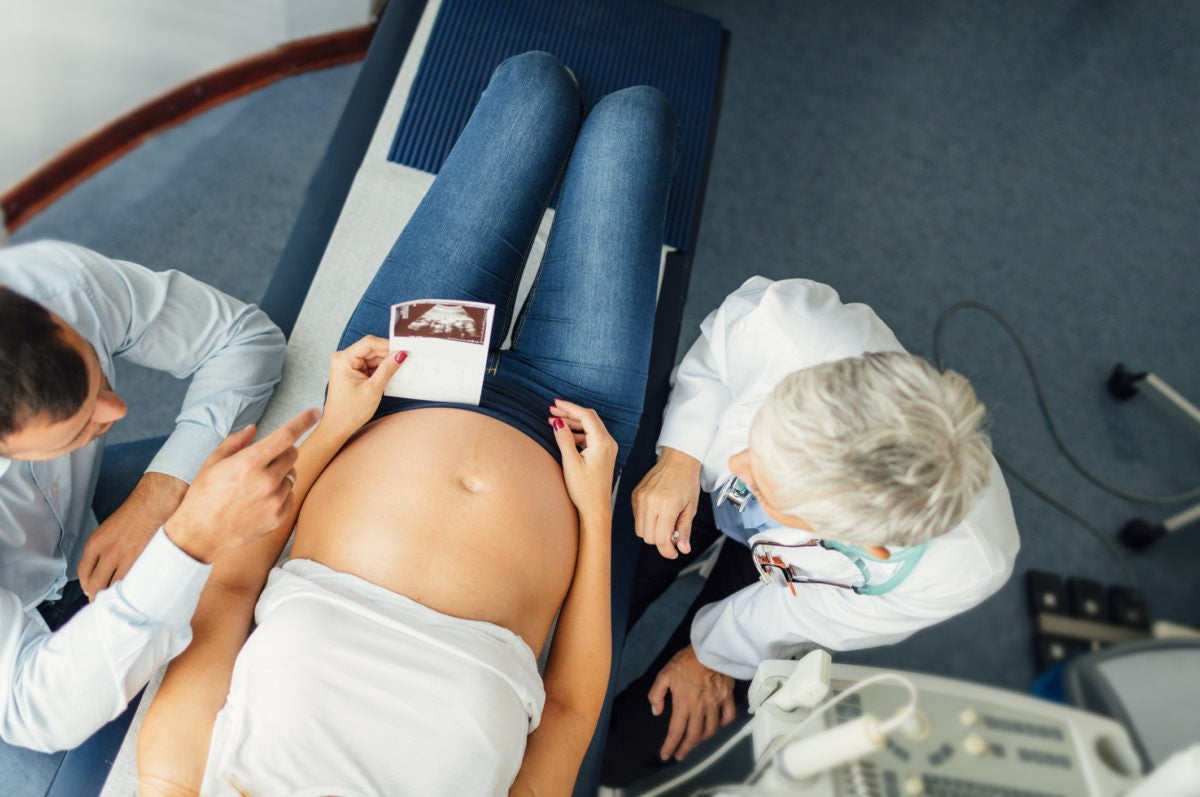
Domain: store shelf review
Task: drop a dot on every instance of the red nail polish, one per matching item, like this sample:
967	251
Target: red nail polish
400	357
557	423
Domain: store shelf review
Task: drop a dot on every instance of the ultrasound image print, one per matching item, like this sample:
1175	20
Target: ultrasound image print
441	320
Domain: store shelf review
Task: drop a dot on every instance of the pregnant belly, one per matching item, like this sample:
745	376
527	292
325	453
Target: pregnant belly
453	509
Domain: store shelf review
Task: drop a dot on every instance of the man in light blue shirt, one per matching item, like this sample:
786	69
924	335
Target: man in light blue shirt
58	688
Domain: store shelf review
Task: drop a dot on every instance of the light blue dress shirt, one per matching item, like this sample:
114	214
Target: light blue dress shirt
54	688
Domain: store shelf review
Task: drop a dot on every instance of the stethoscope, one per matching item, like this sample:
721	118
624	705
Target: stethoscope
772	569
735	491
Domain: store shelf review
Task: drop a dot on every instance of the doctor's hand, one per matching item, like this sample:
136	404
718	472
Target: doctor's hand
242	492
589	455
117	543
357	376
701	702
665	501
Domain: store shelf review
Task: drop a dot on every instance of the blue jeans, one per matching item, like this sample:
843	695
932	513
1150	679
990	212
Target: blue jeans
585	329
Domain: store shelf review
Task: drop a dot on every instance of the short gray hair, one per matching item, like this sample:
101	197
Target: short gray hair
874	450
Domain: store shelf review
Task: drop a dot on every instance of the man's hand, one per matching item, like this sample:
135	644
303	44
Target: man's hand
701	702
121	538
665	501
241	493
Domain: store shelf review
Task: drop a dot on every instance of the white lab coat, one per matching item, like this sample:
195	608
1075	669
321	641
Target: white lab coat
760	333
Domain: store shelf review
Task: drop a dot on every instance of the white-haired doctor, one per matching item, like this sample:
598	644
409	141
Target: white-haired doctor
856	484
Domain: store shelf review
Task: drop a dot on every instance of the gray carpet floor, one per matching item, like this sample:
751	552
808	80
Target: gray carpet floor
1038	156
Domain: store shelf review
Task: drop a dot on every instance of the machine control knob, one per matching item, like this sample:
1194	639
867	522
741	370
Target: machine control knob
917	727
969	717
914	785
975	744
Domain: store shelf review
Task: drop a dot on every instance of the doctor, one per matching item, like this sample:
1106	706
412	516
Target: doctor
66	313
857	487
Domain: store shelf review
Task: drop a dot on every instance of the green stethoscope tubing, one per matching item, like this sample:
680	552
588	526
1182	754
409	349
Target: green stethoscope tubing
906	558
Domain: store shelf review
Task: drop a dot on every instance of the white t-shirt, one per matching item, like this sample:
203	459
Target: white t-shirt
346	688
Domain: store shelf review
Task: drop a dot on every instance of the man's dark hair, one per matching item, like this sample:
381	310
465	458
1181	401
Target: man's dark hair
40	372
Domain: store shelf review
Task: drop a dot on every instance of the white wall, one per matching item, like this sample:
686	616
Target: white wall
69	67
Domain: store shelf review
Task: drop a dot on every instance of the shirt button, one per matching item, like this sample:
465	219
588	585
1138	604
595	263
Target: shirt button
54	489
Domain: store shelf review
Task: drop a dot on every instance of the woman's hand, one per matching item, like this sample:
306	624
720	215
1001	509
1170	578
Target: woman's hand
588	455
357	376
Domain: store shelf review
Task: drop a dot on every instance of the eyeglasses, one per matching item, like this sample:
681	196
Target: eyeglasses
773	570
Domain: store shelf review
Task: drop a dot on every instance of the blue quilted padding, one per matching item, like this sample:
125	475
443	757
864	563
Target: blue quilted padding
609	44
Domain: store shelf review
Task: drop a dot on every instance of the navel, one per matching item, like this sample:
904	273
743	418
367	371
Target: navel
472	484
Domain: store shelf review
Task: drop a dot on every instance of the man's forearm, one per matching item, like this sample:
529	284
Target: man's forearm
120	539
156	496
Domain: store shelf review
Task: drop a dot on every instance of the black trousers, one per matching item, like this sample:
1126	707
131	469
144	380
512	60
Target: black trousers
635	736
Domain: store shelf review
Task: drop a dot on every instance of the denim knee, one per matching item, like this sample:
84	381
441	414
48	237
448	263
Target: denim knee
639	102
540	69
645	107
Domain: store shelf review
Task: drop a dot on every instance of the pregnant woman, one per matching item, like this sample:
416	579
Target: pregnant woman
396	651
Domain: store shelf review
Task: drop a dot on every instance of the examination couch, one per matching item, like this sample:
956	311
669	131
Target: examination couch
427	63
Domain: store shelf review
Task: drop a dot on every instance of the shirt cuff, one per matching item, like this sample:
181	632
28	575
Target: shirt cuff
185	451
165	583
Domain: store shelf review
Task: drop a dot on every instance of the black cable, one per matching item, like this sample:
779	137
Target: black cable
1112	489
1104	538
